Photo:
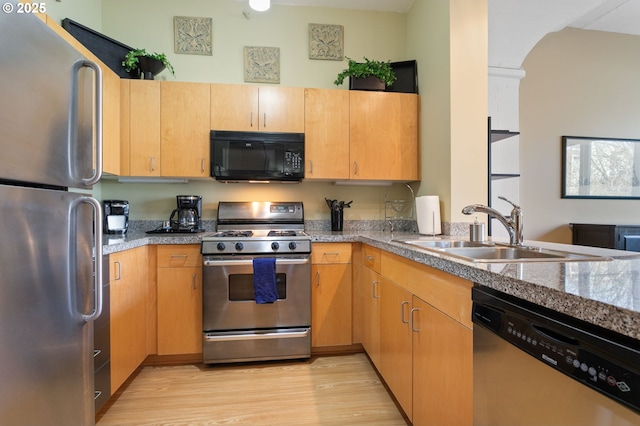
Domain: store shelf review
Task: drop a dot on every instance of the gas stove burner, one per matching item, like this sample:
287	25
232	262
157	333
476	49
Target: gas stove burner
234	234
282	234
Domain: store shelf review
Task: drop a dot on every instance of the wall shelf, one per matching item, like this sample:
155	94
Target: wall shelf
498	176
498	135
495	136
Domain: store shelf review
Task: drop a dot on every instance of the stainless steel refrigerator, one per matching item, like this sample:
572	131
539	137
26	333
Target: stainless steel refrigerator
50	232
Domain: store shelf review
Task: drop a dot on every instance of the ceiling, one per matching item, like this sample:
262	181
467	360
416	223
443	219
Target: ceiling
516	26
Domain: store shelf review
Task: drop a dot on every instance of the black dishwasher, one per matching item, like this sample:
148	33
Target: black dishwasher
534	366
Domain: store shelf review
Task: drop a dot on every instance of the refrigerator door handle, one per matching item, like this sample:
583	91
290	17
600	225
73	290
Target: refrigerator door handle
97	256
97	128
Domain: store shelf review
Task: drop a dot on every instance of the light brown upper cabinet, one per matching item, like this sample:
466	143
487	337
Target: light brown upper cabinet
257	108
140	127
326	127
184	128
383	136
165	128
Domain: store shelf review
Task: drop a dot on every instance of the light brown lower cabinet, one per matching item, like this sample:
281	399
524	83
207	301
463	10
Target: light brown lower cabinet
418	334
128	313
331	294
371	314
442	368
179	299
396	347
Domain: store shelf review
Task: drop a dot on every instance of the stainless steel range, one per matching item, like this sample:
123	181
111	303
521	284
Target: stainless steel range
237	324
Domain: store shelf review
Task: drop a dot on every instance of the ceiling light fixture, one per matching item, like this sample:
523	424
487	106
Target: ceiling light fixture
260	5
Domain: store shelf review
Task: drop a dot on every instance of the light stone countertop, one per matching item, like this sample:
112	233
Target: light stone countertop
604	293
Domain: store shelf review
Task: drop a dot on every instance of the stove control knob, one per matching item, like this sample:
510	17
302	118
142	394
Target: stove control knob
292	245
239	246
220	246
275	246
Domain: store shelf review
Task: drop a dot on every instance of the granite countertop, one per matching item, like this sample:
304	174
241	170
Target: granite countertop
604	293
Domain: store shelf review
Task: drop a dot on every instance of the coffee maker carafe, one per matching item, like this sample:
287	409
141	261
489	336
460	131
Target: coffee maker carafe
187	216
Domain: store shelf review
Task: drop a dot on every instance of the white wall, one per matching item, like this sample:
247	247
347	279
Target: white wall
578	83
449	39
149	24
88	13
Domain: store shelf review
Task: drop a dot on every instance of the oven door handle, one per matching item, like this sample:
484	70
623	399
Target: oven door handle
211	337
240	262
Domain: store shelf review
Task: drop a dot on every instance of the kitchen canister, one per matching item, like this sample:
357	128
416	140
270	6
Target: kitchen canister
428	215
476	231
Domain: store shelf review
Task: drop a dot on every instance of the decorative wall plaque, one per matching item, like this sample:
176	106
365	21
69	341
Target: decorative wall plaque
261	64
326	42
192	35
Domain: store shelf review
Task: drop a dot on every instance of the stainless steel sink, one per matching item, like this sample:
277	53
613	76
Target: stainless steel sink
442	244
499	253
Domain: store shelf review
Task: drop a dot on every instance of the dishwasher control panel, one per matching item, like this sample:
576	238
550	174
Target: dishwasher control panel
573	352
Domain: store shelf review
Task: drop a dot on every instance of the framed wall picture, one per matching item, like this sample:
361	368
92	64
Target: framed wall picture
261	64
594	167
326	42
192	35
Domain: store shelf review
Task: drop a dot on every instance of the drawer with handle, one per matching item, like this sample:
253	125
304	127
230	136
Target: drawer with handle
179	256
327	253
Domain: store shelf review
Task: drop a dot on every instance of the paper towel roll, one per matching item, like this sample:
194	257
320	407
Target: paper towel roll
428	214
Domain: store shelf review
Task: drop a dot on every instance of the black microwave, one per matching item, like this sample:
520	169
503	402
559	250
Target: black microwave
257	156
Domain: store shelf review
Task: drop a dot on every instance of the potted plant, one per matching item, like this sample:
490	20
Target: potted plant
140	62
367	75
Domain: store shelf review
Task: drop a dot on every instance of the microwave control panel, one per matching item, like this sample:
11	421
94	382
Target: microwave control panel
293	162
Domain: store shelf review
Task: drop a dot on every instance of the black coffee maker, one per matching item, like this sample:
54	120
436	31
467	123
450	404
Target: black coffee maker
186	218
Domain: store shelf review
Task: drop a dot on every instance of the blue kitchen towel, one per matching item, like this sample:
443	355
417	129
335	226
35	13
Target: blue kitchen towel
264	280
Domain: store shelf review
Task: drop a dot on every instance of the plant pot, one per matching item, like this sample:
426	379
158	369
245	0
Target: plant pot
150	67
372	83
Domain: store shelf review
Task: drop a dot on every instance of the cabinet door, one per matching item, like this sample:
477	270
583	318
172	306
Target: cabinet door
326	128
128	313
383	135
234	107
442	368
396	346
331	305
110	122
144	127
185	125
179	310
371	315
179	299
281	109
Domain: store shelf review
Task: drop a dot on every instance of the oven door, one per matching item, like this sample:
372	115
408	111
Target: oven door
228	296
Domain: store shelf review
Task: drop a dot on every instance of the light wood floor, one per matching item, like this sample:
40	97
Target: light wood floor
331	390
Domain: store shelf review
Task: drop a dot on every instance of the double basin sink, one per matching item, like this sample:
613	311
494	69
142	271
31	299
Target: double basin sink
489	252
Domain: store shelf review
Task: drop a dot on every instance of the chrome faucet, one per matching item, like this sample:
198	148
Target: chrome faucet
513	224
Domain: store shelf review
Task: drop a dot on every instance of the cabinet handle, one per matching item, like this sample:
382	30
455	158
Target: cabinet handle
355	167
310	167
412	318
119	275
402	305
202	165
153	164
374	285
251	120
193	281
331	253
264	120
371	258
317	278
178	255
